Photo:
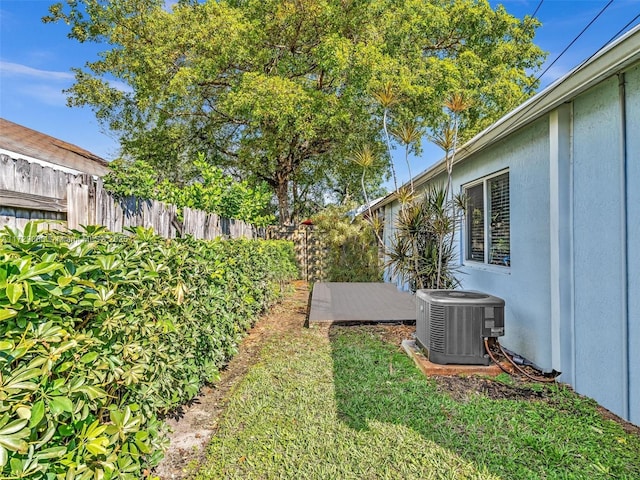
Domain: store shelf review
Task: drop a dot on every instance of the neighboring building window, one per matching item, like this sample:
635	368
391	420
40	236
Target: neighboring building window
487	221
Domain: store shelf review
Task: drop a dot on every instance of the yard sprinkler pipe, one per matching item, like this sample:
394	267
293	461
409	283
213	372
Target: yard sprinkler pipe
517	367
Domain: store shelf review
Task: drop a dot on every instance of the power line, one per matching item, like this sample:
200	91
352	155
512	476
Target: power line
537	8
609	41
527	89
570	44
540	97
622	29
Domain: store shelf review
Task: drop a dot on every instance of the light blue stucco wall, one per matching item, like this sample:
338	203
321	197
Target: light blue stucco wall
390	217
572	292
525	285
633	237
599	263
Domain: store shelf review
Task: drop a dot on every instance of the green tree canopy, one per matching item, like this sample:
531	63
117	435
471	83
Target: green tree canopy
283	91
209	190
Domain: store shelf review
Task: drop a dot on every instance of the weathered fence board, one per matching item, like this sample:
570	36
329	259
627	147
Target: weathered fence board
30	191
9	198
77	195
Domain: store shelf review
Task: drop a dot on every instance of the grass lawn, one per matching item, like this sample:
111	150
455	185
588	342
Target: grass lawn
346	404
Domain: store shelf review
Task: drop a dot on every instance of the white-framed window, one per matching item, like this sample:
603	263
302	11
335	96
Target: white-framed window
487	232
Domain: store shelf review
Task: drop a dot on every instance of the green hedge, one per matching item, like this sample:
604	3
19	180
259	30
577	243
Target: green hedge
101	334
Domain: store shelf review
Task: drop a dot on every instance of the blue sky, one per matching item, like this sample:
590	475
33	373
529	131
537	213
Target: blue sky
36	61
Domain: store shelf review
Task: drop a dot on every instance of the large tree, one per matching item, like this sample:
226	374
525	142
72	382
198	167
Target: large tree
284	91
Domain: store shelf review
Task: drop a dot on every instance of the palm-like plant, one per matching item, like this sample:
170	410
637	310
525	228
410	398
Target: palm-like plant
447	136
409	132
421	251
447	139
366	158
405	197
387	98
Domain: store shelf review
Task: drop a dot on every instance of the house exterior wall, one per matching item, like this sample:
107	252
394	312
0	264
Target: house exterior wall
598	244
525	284
390	214
633	238
606	233
572	291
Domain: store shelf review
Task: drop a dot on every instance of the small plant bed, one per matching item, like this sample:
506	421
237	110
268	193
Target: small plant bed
347	402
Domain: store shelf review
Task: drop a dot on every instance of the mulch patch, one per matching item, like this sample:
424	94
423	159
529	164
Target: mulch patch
464	388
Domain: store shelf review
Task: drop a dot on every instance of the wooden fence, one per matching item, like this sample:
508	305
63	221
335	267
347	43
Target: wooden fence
310	248
29	191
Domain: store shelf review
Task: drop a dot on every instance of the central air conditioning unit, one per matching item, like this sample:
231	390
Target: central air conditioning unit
451	325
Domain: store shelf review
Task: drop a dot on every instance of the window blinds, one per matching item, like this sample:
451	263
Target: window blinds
475	223
499	223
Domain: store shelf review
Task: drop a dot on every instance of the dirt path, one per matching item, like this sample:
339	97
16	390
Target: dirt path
197	422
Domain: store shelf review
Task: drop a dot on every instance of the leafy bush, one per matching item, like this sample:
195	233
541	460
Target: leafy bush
353	250
101	334
210	190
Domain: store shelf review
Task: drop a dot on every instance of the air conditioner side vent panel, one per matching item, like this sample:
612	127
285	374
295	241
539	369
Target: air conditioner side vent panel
437	328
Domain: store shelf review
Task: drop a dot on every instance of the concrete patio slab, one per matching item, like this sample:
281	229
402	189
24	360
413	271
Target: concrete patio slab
345	303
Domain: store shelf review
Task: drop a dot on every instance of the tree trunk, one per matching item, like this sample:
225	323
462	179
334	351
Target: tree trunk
282	192
386	134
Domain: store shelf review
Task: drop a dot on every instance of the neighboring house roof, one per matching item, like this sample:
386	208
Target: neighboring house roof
22	142
360	209
608	61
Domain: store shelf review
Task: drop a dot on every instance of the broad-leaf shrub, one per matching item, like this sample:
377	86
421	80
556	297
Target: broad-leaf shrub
101	334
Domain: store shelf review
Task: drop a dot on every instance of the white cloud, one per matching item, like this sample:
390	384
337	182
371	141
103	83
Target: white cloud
120	86
47	95
16	69
9	69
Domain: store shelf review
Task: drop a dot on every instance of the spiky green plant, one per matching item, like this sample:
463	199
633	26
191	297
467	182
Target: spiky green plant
421	251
